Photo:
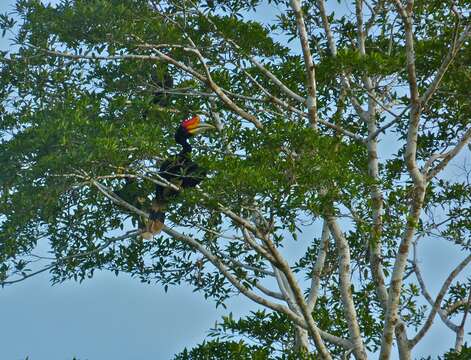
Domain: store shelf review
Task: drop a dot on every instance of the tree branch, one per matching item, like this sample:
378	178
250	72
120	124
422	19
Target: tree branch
318	267
343	251
436	307
244	290
287	91
308	63
454	48
287	106
460	332
298	295
446	157
58	261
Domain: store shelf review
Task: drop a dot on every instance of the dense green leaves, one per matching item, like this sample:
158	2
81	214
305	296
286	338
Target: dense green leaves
78	109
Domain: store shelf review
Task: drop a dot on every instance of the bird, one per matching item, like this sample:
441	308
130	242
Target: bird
179	170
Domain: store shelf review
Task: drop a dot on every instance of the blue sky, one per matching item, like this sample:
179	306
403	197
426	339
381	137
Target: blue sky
119	318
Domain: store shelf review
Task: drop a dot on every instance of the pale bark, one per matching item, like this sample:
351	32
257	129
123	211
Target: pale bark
299	298
343	250
301	340
318	267
311	101
460	333
437	303
374	243
391	316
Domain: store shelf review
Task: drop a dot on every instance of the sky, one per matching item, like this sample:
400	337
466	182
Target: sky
119	318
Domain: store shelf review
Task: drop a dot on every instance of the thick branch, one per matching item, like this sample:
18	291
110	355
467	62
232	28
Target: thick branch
343	250
298	295
308	62
244	290
318	267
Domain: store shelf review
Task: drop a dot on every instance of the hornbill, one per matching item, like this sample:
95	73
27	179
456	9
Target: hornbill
179	170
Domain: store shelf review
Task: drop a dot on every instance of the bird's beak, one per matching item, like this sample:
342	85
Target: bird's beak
200	128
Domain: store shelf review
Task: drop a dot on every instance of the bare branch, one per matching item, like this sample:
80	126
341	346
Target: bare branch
343	250
231	278
318	267
327	28
426	294
460	332
269	292
247	292
298	295
446	157
308	63
437	303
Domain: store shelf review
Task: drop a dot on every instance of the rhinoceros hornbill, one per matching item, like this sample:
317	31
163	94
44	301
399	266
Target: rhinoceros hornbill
179	170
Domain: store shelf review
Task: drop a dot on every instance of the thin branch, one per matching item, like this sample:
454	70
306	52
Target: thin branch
164	57
333	51
447	156
269	292
286	90
250	267
437	303
453	307
61	260
452	52
389	124
378	7
302	113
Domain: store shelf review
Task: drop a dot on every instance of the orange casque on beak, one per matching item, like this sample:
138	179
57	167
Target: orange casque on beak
194	125
191	124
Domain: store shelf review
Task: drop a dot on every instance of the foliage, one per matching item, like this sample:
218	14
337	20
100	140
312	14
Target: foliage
263	336
78	116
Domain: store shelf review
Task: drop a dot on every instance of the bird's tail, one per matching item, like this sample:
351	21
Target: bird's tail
156	220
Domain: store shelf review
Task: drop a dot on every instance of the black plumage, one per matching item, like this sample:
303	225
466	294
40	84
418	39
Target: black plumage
179	170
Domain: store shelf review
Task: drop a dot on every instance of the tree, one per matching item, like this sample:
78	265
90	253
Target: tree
302	104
